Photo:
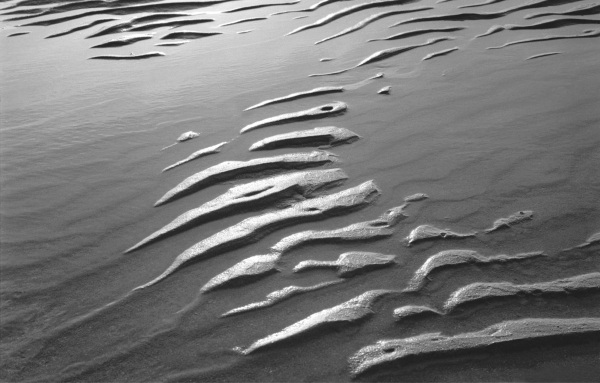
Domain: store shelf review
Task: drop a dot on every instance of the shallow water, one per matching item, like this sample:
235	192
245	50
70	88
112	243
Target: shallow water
483	132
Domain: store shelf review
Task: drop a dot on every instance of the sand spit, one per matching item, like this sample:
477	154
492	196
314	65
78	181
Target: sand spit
585	34
248	196
294	96
327	110
197	154
582	10
511	220
483	291
542	55
398	350
327	136
243	21
231	169
369	20
128	57
252	229
348	11
428	232
440	53
128	40
348	312
249	7
449	258
81	28
349	263
279	296
18	34
188	35
418	32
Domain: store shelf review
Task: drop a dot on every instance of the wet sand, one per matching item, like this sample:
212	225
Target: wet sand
462	201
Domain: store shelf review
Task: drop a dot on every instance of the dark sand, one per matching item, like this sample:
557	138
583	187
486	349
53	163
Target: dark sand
484	133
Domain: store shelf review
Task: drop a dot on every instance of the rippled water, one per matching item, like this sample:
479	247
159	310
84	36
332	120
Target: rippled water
484	133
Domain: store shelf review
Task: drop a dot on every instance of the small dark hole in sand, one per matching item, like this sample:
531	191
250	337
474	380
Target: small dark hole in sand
389	350
521	213
327	108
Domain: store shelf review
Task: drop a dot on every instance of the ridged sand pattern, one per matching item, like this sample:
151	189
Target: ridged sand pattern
292	267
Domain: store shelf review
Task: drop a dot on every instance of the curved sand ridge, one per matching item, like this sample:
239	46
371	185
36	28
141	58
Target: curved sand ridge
303	184
298	95
349	263
197	154
483	291
418	32
242	21
440	53
231	169
188	35
427	232
585	34
123	41
279	296
252	229
347	312
249	7
386	351
449	258
327	136
327	110
128	57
